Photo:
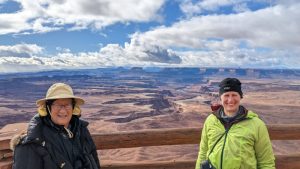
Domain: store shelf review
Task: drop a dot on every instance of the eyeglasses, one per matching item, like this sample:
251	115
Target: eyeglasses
59	107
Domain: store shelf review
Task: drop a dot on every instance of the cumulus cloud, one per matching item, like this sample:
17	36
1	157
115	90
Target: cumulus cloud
246	39
20	50
147	51
258	29
40	16
245	58
268	37
214	40
133	54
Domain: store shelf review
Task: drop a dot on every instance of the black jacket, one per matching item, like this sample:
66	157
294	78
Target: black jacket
47	146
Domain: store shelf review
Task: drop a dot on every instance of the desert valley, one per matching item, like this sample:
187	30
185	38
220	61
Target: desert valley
130	99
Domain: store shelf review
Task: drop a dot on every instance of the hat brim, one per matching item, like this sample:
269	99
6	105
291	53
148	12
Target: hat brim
78	100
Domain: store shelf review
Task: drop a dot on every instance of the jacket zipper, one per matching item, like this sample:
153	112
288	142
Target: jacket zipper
222	153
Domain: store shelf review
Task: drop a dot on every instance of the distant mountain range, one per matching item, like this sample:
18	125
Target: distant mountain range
174	72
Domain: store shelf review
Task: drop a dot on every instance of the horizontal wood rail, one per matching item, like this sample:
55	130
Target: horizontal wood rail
158	137
188	164
291	161
177	136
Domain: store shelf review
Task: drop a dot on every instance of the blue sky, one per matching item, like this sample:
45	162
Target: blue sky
40	35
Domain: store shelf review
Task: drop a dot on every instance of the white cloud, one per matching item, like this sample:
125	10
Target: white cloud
243	7
190	8
268	37
40	16
20	50
234	39
64	50
245	58
110	55
258	29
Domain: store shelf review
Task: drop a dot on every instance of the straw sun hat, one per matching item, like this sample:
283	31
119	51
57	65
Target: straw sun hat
59	91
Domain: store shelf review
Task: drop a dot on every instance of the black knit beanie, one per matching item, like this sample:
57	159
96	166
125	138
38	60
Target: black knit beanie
230	84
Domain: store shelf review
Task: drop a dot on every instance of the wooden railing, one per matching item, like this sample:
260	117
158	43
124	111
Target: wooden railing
160	137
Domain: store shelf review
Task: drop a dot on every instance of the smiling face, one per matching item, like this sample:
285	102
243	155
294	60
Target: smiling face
61	111
231	102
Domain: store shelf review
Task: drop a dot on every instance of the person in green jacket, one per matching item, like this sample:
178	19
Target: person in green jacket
234	137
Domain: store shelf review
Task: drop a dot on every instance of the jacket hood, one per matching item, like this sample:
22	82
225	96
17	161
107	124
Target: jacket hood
16	139
242	115
251	114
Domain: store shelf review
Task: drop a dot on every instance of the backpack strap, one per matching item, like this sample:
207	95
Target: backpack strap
216	144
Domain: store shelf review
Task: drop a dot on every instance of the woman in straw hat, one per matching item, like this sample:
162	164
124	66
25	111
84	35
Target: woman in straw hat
56	137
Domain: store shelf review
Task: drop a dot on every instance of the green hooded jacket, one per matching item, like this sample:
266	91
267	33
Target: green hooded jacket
245	145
